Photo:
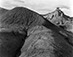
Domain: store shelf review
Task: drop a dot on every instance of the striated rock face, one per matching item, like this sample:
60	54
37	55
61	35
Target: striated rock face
20	18
43	42
58	18
40	37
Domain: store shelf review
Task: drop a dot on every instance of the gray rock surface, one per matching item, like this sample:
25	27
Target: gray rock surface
45	43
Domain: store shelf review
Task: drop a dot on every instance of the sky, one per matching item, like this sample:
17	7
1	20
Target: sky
40	6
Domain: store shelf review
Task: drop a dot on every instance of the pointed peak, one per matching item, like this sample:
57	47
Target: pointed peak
59	10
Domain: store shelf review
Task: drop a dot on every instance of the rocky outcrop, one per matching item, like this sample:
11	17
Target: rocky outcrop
58	18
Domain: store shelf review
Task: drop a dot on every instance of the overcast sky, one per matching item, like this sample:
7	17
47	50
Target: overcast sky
40	6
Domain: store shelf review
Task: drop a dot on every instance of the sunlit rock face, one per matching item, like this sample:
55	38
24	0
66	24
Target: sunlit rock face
43	42
58	18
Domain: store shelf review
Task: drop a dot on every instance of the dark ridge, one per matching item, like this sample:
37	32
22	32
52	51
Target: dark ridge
19	18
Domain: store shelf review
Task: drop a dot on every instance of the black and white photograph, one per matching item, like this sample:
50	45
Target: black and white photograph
36	28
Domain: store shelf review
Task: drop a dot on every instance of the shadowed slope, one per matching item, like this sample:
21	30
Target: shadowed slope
10	43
